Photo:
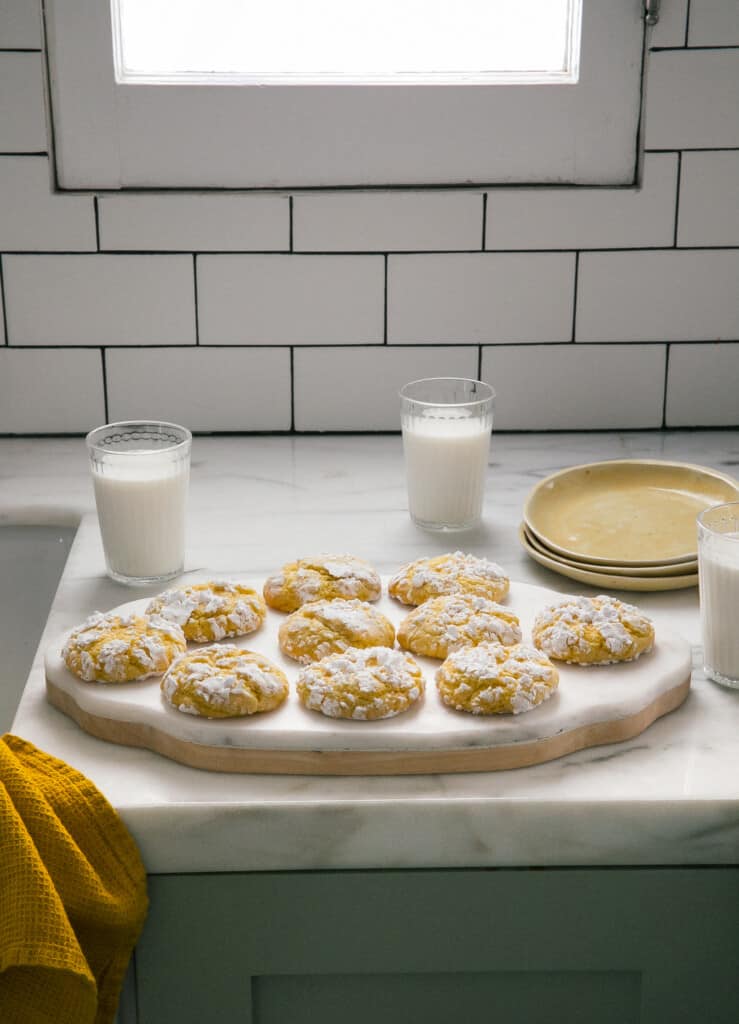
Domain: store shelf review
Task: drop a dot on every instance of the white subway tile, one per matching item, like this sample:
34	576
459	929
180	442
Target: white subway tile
235	389
290	300
676	295
22	118
34	218
503	297
357	388
692	99
703	385
714	23
587	218
670	29
709	199
384	221
20	24
189	222
576	387
50	391
99	300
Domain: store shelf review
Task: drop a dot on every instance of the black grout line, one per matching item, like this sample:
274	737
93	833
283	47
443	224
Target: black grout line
687	22
384	301
697	149
484	220
371	252
3	304
692	49
664	391
378	345
40	152
479	362
290	212
97	222
292	389
574	297
20	49
677	196
48	95
195	297
105	384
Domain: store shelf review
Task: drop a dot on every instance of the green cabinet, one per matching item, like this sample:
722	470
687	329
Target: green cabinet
520	946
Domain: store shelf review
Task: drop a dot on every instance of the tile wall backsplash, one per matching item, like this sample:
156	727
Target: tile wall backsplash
589	308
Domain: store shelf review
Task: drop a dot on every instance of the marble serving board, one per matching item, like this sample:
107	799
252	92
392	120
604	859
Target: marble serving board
593	706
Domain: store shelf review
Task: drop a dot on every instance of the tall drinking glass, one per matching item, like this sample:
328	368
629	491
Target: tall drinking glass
140	472
718	567
446	423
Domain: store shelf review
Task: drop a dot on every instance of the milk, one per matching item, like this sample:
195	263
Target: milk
140	500
446	460
719	595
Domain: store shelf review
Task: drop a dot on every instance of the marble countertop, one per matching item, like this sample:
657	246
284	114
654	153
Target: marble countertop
669	796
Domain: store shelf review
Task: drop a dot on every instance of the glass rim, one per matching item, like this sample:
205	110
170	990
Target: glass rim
447	405
92	445
713	508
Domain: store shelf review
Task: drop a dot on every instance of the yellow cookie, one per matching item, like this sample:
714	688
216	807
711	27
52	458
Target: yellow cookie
224	681
593	631
320	628
366	684
443	624
119	649
491	679
211	611
322	578
448	574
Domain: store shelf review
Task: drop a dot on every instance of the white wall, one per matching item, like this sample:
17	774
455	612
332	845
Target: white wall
585	308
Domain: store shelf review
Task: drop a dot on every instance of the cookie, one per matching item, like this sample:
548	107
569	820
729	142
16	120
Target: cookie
593	631
211	611
224	681
366	684
491	679
456	573
119	649
443	624
320	628
324	577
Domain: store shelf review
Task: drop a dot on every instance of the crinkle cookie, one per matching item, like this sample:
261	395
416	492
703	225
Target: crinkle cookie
224	681
119	649
491	679
320	628
593	631
448	574
324	577
443	624
374	682
211	611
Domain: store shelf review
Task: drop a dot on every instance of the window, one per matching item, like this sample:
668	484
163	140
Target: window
336	93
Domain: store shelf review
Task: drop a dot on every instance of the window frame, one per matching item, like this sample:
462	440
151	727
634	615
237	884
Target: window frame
111	135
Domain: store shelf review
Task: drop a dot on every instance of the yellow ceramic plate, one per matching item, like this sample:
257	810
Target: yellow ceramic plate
625	513
669	569
604	581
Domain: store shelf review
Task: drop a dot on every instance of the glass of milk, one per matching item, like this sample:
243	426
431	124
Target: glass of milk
140	472
446	424
718	567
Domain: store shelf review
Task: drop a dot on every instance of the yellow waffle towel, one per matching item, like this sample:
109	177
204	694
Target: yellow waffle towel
72	893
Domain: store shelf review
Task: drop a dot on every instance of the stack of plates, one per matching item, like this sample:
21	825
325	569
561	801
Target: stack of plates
626	525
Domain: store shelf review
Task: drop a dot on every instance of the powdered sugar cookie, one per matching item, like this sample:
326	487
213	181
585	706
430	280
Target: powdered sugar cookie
119	649
455	573
593	631
366	684
320	628
324	577
491	679
443	624
211	611
224	681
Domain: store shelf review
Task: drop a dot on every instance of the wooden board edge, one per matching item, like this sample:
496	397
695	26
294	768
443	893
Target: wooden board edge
367	762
